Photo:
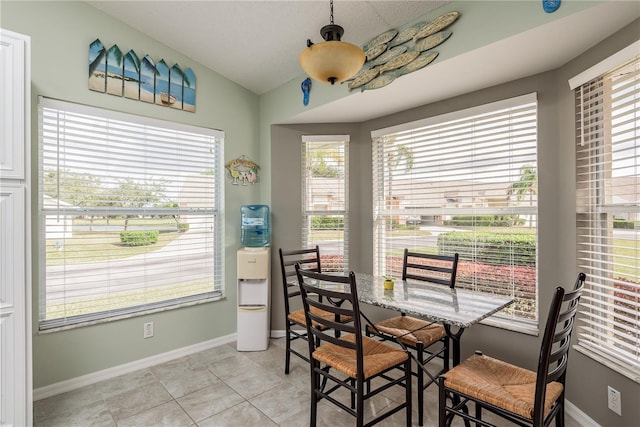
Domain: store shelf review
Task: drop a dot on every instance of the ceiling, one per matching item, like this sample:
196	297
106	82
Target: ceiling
256	44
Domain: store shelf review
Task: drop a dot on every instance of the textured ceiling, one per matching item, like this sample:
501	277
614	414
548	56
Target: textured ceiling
257	43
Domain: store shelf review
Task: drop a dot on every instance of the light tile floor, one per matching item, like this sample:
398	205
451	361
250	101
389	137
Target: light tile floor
216	387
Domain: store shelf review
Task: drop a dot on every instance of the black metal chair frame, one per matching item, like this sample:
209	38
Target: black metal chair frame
428	270
344	304
309	259
554	350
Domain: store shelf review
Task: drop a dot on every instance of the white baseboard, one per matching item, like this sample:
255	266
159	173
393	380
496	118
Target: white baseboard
576	413
105	374
280	333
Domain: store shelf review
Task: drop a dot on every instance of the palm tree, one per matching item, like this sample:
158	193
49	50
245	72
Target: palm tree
527	184
402	154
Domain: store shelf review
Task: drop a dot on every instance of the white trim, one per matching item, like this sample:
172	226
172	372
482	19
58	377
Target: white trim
606	65
44	102
609	362
576	413
460	114
326	138
127	368
281	333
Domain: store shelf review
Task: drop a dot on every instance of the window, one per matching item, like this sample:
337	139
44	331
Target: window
131	213
608	216
464	182
325	198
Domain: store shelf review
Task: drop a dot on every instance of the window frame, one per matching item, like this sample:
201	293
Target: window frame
214	216
608	303
329	264
403	132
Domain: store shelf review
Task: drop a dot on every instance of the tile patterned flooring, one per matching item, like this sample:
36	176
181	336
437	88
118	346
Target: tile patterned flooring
215	387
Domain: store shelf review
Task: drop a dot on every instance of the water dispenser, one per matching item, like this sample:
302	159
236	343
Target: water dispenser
255	226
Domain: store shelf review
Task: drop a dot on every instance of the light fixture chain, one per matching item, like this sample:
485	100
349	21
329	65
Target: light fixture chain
331	14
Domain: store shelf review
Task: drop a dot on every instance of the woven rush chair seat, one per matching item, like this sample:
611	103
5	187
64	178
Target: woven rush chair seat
410	330
427	339
378	357
342	360
295	323
524	397
297	316
501	384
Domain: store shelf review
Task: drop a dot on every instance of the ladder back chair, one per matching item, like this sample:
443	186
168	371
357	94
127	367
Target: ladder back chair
295	325
348	360
429	340
310	259
522	396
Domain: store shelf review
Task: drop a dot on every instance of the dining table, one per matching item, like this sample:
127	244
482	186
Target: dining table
455	308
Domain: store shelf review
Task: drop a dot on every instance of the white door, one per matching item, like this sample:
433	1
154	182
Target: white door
13	333
15	223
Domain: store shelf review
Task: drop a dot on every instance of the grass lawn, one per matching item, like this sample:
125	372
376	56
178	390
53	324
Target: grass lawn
129	299
626	256
88	246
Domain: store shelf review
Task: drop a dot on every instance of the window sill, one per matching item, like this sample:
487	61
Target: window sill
522	327
609	363
130	315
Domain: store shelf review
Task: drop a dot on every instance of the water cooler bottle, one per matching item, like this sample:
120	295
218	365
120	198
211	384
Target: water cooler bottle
254	262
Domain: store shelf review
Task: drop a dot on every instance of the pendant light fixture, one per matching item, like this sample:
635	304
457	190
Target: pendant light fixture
332	61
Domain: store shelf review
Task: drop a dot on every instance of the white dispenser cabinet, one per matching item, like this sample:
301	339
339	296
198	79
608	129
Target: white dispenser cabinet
253	299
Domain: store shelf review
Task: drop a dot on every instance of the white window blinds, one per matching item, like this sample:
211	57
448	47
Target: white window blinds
325	198
608	216
464	182
131	213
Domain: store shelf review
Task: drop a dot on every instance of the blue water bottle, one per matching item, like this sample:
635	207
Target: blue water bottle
255	229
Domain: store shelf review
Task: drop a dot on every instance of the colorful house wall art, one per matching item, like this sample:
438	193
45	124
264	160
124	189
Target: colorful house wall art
115	73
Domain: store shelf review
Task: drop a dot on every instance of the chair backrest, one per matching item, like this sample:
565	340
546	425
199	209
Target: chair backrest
309	259
554	351
440	269
338	295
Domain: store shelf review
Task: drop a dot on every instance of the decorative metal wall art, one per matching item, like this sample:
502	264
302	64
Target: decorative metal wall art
127	75
242	171
394	53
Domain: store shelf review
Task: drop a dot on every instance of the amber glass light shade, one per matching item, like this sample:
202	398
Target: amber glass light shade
332	61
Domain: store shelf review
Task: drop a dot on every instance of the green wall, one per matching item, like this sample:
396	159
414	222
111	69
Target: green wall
60	36
59	61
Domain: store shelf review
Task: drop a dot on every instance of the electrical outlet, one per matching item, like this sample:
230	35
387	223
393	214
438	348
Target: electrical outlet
148	330
615	400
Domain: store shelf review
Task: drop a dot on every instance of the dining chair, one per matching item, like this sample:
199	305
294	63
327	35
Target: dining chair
429	340
522	396
310	259
350	360
295	324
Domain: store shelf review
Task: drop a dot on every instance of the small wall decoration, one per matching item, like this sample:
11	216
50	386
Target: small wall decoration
242	171
550	6
394	53
306	88
127	75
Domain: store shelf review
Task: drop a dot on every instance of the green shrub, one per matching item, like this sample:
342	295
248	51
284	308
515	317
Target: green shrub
182	227
623	223
139	238
330	222
490	248
485	221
